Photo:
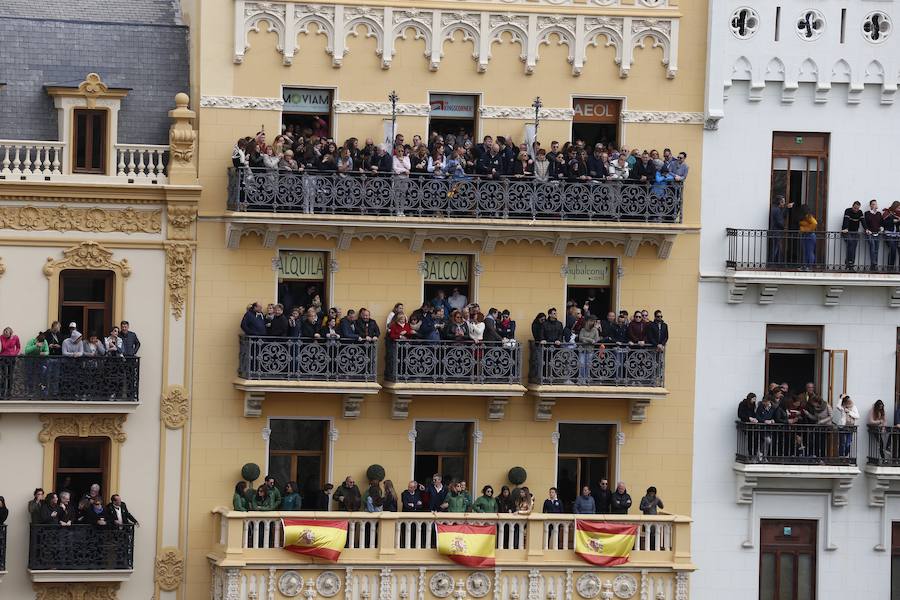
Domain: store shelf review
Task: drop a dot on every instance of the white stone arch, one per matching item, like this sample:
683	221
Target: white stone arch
566	37
374	29
660	39
875	73
325	27
841	72
274	20
775	70
809	71
613	38
470	34
519	36
422	32
742	69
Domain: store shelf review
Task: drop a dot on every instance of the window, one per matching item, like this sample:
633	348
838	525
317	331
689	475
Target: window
79	463
596	120
792	355
589	281
90	141
895	561
86	298
445	273
442	447
297	453
302	276
306	112
584	458
800	174
787	560
452	114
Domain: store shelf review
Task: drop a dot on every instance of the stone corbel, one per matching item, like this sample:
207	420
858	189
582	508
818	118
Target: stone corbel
854	92
496	408
823	89
632	245
400	407
352	403
638	409
562	242
271	236
233	235
253	401
736	292
543	409
745	484
665	247
888	91
833	295
344	238
840	487
418	239
878	489
789	91
767	292
490	242
894	297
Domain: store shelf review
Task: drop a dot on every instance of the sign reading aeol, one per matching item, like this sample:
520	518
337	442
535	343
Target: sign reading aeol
304	100
452	105
301	266
589	271
447	268
595	110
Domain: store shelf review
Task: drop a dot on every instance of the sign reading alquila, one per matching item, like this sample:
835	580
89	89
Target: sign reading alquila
588	271
303	266
447	268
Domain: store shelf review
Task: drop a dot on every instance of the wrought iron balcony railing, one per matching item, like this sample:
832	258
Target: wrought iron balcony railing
69	379
782	444
81	548
884	446
2	548
829	251
510	198
410	361
586	364
305	359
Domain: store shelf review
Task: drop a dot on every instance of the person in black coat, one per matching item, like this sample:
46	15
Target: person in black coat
411	499
253	322
552	505
366	328
4	512
347	326
95	514
658	331
644	170
746	412
118	512
552	329
49	512
310	326
602	497
54	339
536	327
278	326
620	501
490	164
323	497
437	498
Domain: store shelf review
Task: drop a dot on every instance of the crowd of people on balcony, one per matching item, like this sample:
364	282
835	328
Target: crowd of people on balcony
458	157
788	414
121	341
437	496
584	327
62	510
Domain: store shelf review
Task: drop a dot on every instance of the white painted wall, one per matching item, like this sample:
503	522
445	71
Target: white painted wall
23	306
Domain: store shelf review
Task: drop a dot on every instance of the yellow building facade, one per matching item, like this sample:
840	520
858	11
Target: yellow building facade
251	61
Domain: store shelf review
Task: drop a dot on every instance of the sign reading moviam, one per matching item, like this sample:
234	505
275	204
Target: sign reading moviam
306	100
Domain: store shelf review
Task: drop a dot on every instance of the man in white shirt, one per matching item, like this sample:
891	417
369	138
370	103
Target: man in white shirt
119	513
456	300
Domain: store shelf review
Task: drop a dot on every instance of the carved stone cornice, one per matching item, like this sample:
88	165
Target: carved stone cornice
587	26
81	590
241	102
181	222
94	219
179	261
525	113
380	108
663	117
87	255
53	426
173	408
169	569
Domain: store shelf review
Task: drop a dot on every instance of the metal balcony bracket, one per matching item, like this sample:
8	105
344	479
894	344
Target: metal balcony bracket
253	401
833	295
400	406
496	409
638	409
543	409
767	292
736	292
352	405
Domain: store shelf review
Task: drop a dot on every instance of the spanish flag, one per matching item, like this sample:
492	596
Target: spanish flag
322	539
604	544
468	545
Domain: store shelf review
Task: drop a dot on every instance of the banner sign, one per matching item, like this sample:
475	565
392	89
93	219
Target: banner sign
304	100
589	271
451	105
447	268
301	266
594	110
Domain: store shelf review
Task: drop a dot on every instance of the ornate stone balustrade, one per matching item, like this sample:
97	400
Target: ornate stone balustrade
142	162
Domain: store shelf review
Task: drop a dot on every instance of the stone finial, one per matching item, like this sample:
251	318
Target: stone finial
182	141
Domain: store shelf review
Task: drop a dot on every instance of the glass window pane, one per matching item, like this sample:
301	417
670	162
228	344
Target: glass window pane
80	138
805	577
425	467
895	577
295	434
434	436
309	478
593	470
566	484
80	455
80	287
580	438
97	141
454	468
97	323
767	577
786	577
791	335
280	468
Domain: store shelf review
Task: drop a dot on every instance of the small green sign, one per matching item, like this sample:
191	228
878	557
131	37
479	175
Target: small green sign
798	140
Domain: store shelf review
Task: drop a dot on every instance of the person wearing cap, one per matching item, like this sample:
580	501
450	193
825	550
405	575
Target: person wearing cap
73	346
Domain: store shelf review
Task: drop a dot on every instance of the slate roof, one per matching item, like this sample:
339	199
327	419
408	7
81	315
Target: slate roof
137	44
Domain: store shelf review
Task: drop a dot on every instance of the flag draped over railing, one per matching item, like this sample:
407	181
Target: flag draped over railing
468	545
322	539
604	544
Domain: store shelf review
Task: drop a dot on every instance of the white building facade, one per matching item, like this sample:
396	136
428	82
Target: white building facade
800	103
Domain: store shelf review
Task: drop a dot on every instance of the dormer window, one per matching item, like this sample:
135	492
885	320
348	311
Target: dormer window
89	141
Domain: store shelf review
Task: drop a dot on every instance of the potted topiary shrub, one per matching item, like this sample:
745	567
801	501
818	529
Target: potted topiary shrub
375	473
517	476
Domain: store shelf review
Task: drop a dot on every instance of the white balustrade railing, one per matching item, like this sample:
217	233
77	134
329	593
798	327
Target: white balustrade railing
141	161
267	532
31	159
651	537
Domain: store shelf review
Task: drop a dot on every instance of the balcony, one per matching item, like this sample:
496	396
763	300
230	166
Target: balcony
303	365
80	553
29	160
830	259
448	368
628	373
485	210
397	550
60	384
883	463
795	457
